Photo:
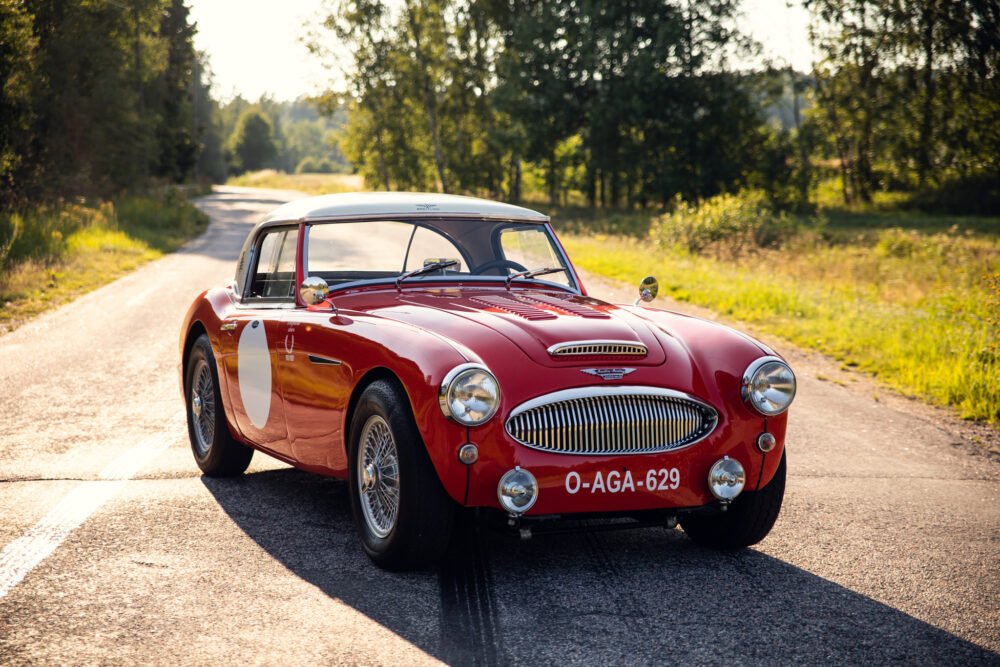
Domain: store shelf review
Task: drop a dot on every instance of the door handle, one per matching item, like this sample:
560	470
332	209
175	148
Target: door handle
228	326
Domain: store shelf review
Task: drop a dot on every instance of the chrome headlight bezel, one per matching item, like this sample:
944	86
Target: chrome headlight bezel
452	381
750	386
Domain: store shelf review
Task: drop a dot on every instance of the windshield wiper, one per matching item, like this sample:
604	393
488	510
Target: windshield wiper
427	268
531	273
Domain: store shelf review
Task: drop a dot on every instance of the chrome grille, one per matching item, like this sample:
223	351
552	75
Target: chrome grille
607	348
611	421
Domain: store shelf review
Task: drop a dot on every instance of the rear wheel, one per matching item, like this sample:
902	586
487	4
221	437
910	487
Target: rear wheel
403	516
215	450
746	521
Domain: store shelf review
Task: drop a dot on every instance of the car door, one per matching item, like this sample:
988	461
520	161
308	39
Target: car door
316	381
254	337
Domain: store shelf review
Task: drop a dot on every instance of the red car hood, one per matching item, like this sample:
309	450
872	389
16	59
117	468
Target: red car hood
533	320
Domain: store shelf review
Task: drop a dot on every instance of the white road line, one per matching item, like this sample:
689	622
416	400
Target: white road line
26	552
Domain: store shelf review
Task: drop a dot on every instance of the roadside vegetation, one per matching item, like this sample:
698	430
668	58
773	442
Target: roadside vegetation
310	183
54	253
912	298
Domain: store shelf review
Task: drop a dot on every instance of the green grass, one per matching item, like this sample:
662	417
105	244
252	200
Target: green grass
313	184
919	310
49	255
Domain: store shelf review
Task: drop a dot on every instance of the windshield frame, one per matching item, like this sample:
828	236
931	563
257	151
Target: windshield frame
421	221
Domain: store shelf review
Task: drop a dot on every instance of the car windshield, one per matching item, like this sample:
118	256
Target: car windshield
348	252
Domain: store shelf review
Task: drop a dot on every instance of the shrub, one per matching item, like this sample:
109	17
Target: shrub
729	224
311	165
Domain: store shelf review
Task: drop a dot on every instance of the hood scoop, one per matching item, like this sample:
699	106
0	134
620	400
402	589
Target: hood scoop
598	348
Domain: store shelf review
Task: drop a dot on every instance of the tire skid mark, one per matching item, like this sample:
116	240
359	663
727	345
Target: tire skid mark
470	633
609	573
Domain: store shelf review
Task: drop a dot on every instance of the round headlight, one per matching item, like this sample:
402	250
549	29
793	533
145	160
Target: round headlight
469	394
768	386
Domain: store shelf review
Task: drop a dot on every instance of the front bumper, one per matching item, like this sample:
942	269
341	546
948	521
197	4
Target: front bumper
573	484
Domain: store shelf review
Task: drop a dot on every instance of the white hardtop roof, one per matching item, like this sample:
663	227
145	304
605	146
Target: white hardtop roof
381	205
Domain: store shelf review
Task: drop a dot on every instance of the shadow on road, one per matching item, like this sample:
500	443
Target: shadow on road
641	597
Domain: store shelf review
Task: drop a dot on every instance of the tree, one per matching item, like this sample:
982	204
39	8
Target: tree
908	93
96	97
630	101
18	47
176	143
252	143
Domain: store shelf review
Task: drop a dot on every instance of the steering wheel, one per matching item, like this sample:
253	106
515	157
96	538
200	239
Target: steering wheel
497	264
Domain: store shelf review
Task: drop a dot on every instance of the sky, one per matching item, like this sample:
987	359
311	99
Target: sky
254	46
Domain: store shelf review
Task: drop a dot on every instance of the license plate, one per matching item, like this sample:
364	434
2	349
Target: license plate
623	481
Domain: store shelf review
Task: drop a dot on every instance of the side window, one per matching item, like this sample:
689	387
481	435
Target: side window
274	275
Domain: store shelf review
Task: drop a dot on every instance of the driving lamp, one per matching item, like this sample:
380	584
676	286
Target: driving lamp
517	490
726	479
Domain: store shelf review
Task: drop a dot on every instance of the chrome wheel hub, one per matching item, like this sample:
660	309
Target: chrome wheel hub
203	408
378	476
369	477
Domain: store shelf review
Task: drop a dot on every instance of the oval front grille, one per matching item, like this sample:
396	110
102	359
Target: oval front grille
612	421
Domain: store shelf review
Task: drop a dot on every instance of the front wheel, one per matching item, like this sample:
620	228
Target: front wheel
746	521
215	450
402	514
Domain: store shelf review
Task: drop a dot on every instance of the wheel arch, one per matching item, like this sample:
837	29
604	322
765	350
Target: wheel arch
370	376
196	329
450	471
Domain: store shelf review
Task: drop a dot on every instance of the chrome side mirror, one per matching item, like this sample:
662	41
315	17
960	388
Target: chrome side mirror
648	290
313	290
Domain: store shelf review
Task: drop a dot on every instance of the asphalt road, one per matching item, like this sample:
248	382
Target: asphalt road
117	551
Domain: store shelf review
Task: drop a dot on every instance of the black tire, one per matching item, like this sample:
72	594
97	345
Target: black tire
418	535
215	450
747	521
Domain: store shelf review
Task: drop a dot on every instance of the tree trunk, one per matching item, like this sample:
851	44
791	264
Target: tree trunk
515	178
383	172
927	20
553	180
430	103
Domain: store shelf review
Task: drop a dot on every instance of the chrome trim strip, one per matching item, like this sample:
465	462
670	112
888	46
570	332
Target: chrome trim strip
565	349
609	405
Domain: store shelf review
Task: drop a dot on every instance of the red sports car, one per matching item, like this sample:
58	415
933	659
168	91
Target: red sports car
440	352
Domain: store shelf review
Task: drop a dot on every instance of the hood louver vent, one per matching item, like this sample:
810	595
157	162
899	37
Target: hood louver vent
525	310
567	306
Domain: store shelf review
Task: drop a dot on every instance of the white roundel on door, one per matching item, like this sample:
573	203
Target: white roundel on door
254	370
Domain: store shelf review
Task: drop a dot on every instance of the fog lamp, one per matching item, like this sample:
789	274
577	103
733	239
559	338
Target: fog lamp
517	491
726	479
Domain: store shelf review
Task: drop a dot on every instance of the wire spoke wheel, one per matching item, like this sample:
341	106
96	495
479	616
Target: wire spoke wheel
203	407
378	476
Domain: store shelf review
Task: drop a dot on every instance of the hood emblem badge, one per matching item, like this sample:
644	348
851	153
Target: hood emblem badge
608	373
